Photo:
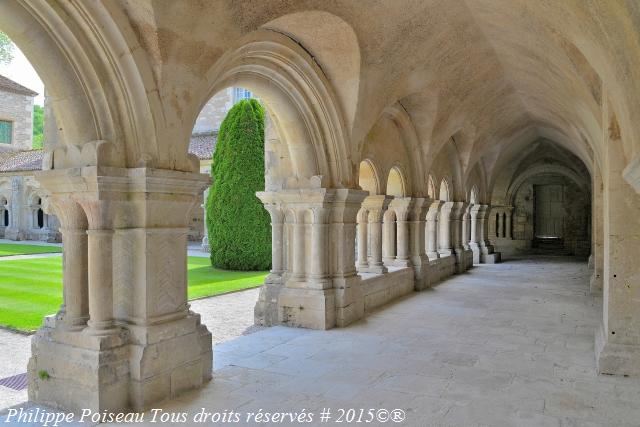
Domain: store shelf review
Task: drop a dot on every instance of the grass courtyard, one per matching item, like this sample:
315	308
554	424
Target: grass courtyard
32	288
8	249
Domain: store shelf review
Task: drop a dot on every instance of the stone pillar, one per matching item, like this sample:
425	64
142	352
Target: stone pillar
431	230
15	231
389	238
444	230
457	213
376	206
74	313
508	225
487	253
142	344
474	241
618	337
401	208
597	231
266	309
419	259
100	266
205	239
321	288
363	222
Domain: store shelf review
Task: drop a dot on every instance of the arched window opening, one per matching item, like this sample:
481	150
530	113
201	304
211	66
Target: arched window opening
431	188
40	218
473	198
6	218
368	177
445	195
497	225
396	183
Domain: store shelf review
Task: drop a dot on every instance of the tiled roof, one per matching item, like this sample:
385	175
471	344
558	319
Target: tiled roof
17	161
201	145
9	85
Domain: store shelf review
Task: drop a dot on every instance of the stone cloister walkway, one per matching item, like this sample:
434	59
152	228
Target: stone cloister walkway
502	345
505	344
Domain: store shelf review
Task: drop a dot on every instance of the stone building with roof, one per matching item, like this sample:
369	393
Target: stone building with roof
23	210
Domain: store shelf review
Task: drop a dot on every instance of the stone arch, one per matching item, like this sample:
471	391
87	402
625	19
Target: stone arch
368	177
543	170
300	101
431	188
445	191
100	91
473	195
396	183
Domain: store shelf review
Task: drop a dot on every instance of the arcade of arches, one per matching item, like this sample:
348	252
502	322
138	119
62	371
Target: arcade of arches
404	145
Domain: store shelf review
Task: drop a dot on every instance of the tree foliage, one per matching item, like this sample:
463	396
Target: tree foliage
238	225
6	49
38	126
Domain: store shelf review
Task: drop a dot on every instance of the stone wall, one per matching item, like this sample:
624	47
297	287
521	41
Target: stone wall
577	207
24	199
18	109
214	112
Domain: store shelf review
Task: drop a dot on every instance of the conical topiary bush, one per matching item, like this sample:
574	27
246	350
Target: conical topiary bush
238	225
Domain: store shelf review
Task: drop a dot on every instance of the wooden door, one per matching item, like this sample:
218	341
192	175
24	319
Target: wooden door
549	210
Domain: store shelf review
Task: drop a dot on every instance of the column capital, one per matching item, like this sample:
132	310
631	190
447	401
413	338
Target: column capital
402	207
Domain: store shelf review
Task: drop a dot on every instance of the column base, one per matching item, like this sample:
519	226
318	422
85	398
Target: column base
475	250
73	370
131	370
307	308
168	359
614	358
404	263
462	259
265	312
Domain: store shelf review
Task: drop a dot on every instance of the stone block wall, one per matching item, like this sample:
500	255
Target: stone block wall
214	112
18	109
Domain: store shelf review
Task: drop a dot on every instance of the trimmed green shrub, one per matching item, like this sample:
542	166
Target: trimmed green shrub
238	225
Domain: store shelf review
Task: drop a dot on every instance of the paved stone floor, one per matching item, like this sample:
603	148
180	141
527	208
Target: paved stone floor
503	345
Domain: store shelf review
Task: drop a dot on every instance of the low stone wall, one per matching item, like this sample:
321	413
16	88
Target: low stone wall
379	289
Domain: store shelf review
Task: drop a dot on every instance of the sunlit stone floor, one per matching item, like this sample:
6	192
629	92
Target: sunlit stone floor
503	345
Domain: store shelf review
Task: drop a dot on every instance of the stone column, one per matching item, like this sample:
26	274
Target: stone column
376	206
499	223
346	283
618	337
466	227
74	312
205	239
444	230
142	344
318	273
431	232
389	238
321	289
457	213
508	225
100	265
419	259
266	309
474	242
402	207
363	222
487	253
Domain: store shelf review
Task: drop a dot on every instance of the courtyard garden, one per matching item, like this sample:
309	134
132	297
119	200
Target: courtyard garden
9	249
32	288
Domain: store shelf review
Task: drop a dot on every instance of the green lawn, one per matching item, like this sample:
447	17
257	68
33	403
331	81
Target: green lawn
7	249
32	288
